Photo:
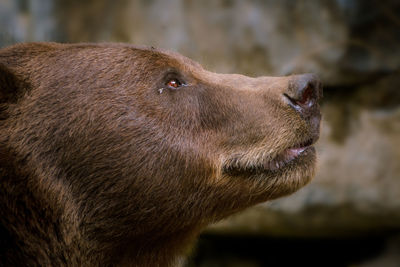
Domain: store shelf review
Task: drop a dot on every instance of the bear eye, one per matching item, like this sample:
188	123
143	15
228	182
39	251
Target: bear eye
174	83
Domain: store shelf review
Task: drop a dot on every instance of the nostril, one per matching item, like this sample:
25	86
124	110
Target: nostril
304	102
303	91
306	98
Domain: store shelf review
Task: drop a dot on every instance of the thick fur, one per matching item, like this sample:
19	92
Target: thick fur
97	167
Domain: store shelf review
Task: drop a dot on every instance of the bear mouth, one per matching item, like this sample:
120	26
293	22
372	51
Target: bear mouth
289	157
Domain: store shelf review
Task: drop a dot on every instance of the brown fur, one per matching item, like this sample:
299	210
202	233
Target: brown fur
98	168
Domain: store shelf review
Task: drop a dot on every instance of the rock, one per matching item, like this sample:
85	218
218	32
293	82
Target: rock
345	42
352	45
390	256
357	186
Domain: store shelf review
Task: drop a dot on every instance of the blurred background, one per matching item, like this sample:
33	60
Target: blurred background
350	213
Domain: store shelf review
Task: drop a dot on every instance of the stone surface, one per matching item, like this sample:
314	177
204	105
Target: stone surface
357	186
340	40
355	191
352	45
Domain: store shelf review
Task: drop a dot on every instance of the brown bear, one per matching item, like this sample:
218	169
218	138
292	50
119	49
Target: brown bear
112	154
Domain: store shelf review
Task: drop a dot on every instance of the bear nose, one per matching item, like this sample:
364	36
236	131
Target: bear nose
304	92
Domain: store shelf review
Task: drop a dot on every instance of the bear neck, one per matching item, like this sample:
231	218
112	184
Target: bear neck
38	228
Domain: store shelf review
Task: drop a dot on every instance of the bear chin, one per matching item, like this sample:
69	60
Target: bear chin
279	181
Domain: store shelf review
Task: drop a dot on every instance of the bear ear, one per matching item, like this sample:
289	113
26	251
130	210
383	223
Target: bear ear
9	85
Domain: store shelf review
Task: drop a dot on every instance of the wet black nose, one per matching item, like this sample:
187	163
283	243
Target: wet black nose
304	92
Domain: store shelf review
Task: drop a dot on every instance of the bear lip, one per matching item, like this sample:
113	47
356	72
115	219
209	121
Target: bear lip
285	157
281	160
290	154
